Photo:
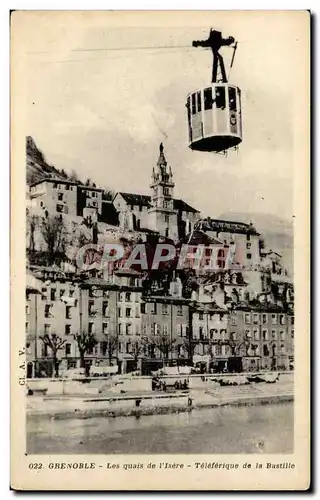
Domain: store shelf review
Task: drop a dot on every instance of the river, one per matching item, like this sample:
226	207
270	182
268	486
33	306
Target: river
251	429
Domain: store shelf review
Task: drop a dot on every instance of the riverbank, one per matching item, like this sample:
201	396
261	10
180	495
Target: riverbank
152	403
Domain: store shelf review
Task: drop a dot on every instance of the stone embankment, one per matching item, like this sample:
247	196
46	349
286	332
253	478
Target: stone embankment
204	392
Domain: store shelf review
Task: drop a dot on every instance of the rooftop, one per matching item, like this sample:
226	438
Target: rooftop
209	307
198	237
255	305
61	181
165	299
143	200
219	225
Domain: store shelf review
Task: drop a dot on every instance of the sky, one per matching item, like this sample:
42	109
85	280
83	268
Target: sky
103	113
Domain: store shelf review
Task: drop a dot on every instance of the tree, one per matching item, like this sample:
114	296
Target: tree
55	343
137	349
32	222
235	361
81	235
55	236
74	177
85	342
111	345
235	346
163	342
189	346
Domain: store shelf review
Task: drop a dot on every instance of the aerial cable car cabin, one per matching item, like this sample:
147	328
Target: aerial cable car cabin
214	112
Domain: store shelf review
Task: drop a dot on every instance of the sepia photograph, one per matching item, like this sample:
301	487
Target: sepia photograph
156	182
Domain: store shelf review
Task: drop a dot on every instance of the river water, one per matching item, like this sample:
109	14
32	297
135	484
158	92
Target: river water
251	429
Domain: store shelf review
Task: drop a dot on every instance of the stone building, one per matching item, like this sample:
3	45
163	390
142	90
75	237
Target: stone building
262	335
164	324
244	236
64	197
160	211
209	335
66	304
52	309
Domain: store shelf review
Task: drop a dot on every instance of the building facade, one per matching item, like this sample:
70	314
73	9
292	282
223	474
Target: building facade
263	336
56	196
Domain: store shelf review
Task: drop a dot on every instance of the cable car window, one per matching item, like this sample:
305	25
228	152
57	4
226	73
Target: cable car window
193	103
220	97
207	98
199	101
189	110
232	99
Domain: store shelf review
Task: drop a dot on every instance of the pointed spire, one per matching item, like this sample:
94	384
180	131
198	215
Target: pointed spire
162	160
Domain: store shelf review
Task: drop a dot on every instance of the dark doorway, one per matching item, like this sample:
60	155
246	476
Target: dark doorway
29	370
234	364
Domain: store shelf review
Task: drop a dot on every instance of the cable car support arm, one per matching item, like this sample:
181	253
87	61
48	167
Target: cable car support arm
215	42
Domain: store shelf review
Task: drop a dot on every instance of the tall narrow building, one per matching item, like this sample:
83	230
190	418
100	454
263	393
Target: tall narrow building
162	215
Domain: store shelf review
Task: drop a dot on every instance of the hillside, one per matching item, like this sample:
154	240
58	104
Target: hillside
37	166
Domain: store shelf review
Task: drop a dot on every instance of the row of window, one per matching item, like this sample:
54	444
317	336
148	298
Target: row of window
66	187
92	204
165	204
68	328
97	293
92	310
127	329
132	207
209	99
157	329
128	297
255	319
54	293
48	313
89	193
69	187
202	333
255	333
153	308
123	329
215	334
225	350
129	312
211	316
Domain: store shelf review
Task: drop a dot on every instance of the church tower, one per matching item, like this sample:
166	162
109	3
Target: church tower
162	216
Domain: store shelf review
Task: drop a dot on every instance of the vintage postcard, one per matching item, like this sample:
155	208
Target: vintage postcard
160	250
